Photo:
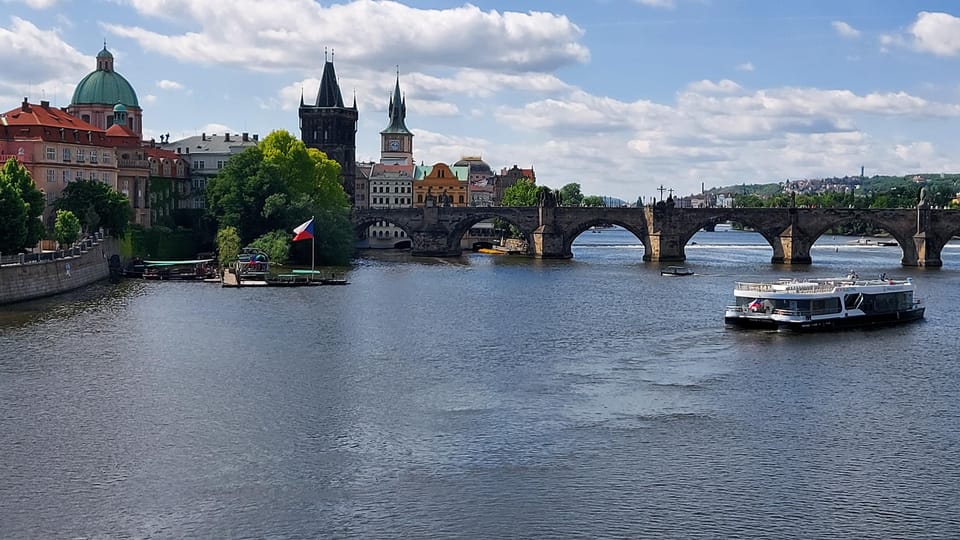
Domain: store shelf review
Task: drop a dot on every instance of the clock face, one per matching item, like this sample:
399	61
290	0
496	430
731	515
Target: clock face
394	144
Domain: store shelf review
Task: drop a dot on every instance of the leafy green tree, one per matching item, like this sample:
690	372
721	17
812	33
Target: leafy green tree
276	244
228	245
111	208
277	185
522	193
13	218
19	178
570	194
593	200
66	227
748	201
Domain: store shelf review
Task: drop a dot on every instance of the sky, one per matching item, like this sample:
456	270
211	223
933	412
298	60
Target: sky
621	96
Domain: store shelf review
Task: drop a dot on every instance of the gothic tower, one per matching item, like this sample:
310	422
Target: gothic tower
396	141
331	127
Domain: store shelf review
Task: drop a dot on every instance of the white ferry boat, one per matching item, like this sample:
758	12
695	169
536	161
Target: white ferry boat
824	304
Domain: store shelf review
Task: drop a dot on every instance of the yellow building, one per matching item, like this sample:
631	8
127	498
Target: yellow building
442	184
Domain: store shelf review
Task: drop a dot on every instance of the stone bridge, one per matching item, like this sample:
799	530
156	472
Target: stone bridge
550	231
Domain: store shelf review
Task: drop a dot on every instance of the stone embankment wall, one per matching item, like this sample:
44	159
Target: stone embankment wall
71	269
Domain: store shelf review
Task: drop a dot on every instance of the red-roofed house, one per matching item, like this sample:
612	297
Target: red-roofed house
56	148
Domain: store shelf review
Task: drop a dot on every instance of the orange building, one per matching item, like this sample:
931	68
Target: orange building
440	185
56	148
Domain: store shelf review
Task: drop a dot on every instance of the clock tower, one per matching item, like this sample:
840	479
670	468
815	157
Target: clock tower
396	141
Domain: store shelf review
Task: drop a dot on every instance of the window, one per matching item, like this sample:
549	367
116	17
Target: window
106	158
51	153
66	176
78	175
51	175
81	155
219	164
66	154
93	156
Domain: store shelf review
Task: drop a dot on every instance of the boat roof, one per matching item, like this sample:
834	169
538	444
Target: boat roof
820	285
172	263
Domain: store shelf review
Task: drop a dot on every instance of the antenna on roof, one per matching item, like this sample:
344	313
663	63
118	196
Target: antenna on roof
331	54
324	54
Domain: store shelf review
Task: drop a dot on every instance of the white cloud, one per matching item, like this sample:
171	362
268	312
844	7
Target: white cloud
288	34
44	62
149	99
746	66
35	4
937	33
845	30
725	86
169	85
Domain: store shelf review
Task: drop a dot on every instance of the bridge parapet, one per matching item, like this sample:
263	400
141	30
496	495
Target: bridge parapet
791	232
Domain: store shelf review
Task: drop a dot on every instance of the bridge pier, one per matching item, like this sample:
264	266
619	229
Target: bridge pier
791	247
548	241
926	254
664	248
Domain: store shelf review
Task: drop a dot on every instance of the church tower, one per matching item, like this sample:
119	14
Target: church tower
396	141
331	127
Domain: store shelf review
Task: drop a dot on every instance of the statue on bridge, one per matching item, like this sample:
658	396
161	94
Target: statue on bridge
924	198
547	199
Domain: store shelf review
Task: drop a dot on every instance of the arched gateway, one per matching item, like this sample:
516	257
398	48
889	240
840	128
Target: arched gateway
664	231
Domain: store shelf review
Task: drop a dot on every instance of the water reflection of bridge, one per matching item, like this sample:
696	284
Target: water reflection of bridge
664	231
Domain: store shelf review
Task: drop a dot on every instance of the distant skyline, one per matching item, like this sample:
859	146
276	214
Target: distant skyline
618	95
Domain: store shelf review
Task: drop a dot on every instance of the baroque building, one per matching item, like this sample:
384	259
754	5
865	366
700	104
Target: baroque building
331	127
56	148
205	155
96	95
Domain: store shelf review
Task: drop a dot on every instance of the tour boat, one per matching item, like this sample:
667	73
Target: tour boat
824	303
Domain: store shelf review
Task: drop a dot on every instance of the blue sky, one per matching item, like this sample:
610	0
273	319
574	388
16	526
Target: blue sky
618	95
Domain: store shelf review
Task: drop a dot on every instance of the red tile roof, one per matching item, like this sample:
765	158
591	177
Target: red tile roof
28	115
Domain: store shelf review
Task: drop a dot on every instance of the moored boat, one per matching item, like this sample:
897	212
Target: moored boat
824	303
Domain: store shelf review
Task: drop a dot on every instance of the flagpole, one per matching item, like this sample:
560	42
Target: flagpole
313	246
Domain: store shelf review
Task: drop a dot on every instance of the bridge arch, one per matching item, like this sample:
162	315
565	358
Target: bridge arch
370	219
761	226
903	235
573	231
482	214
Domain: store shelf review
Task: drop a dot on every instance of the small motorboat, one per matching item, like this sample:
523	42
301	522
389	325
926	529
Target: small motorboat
676	271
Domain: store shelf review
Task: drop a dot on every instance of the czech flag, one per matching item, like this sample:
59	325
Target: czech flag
303	232
756	305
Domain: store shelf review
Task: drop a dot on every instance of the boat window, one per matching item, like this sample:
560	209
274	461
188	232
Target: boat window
852	301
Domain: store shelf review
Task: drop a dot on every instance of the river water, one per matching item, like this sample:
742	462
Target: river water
481	397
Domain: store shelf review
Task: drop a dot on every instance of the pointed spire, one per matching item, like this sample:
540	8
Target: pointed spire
329	94
397	111
301	96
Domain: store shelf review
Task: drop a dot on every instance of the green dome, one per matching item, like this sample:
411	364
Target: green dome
105	53
119	108
104	88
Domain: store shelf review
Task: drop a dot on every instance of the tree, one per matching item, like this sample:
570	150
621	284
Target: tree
522	193
66	227
593	200
276	244
19	178
13	218
277	185
228	245
112	209
570	195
